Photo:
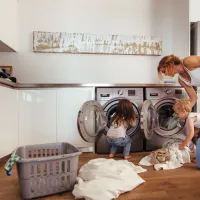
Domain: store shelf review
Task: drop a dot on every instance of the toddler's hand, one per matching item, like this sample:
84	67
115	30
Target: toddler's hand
181	146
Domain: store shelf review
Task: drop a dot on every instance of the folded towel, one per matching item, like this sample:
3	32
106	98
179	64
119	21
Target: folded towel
10	163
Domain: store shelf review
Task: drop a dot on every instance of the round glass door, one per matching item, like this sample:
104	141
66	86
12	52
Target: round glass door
91	120
169	123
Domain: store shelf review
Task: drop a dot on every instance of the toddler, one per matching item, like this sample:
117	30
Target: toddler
121	120
183	109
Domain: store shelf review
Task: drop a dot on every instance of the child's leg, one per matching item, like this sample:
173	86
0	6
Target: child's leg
113	149
127	147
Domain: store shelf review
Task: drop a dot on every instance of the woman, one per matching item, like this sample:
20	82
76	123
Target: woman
188	70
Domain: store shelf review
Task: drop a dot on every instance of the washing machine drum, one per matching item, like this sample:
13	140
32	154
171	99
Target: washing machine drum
169	123
160	118
110	108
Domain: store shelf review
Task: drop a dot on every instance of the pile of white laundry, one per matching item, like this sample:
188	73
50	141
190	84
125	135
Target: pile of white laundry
106	179
169	157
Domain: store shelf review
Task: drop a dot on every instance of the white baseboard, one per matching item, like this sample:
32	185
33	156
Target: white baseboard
86	149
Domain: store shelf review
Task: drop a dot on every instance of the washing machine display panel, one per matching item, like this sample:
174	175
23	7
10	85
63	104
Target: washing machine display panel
131	92
179	92
153	94
105	95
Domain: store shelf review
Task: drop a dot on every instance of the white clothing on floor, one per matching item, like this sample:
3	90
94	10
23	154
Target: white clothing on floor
177	158
106	179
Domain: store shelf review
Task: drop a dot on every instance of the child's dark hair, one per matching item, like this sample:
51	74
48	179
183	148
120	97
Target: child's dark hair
124	110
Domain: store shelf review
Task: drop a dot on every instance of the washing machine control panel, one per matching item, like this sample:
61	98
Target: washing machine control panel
168	91
157	93
120	92
131	93
109	93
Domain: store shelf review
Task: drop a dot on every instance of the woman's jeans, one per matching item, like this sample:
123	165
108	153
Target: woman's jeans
120	142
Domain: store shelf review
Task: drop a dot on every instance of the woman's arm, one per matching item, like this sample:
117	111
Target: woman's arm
192	62
190	91
190	132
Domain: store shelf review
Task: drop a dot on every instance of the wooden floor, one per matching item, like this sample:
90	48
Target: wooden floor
179	184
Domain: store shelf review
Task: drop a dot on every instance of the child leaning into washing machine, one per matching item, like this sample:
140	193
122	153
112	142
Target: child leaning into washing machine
183	109
120	121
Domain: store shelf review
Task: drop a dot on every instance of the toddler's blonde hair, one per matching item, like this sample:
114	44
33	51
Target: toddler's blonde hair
182	105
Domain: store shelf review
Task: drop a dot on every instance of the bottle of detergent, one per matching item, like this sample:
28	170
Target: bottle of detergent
198	152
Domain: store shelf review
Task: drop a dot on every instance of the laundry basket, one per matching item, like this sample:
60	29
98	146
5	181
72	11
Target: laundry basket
46	169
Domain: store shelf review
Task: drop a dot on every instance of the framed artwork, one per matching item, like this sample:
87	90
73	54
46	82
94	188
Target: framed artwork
60	42
8	69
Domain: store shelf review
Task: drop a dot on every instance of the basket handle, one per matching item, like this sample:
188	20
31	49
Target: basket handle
14	152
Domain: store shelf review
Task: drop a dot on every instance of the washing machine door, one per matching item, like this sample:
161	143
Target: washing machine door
148	119
169	124
91	121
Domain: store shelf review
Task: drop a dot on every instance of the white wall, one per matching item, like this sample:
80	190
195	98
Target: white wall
9	23
181	28
194	10
125	17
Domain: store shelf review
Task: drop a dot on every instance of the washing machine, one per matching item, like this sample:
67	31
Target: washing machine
95	116
157	112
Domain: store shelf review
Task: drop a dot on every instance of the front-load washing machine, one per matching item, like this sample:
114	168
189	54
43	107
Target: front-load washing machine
157	114
94	117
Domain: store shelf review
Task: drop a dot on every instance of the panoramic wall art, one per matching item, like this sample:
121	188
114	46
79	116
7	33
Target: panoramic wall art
60	42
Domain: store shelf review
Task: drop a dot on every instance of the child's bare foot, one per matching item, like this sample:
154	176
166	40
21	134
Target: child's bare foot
194	160
127	157
111	155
